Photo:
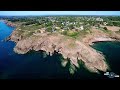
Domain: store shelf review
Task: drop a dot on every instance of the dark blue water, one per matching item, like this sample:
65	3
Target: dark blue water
36	65
111	50
33	65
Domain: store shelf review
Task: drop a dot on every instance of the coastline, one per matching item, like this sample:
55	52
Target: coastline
93	59
24	46
101	39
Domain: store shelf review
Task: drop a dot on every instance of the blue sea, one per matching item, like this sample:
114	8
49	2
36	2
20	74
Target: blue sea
36	65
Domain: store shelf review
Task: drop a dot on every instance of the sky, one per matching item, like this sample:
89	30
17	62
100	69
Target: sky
25	13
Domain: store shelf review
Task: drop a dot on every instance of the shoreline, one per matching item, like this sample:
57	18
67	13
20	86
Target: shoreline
102	40
9	23
66	53
93	59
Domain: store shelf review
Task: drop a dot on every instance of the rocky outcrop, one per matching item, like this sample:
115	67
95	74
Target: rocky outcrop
10	23
68	47
100	39
71	49
99	36
15	36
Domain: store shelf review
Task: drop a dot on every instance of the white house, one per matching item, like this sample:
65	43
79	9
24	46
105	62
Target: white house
81	27
57	27
99	19
105	23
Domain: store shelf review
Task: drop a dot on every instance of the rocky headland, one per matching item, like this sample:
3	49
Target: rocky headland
70	48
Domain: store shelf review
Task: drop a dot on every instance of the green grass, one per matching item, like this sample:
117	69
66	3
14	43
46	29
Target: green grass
28	30
76	34
73	34
105	31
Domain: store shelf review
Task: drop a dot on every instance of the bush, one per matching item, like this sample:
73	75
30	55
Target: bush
64	32
71	26
49	29
116	23
105	28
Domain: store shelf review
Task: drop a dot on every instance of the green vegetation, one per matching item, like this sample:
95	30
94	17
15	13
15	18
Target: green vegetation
105	28
28	30
64	32
70	33
49	29
62	21
66	25
113	23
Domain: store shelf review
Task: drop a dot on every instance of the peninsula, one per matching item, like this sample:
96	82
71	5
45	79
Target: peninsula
70	36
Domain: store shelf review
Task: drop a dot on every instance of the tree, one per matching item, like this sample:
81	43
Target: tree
71	26
49	29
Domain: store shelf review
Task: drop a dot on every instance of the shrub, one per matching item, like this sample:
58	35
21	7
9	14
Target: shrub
65	32
105	28
49	29
71	26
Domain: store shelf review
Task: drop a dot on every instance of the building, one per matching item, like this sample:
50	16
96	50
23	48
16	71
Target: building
57	27
105	23
81	27
99	19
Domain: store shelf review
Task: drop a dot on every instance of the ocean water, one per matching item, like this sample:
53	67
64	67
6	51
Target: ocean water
36	65
111	50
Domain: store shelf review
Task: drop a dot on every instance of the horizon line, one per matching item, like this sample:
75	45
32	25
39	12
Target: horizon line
58	15
53	13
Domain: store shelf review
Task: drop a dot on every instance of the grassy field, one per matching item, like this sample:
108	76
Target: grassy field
76	34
